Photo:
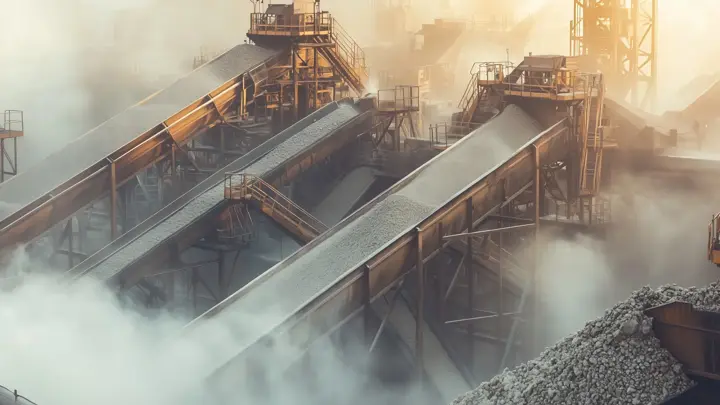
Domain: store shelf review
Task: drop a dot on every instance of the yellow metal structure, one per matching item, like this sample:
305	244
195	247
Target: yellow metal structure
247	188
714	240
323	63
618	37
482	94
12	128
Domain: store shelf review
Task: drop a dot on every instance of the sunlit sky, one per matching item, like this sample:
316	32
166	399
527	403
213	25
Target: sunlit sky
38	30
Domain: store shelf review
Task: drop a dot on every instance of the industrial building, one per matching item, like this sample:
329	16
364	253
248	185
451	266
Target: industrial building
272	180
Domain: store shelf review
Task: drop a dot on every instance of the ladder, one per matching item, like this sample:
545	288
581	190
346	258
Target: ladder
591	135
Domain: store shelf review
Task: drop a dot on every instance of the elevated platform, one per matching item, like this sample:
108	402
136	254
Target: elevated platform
13	125
110	154
188	219
281	27
337	274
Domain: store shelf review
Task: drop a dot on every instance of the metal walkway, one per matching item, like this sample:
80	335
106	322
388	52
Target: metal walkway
181	224
110	154
321	286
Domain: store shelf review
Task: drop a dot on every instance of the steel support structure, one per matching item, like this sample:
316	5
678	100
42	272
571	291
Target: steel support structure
493	304
11	129
619	38
397	114
323	62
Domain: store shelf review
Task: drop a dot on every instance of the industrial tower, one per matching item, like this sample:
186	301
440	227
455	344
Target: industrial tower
619	37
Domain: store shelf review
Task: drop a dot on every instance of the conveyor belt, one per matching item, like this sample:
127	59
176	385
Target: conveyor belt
72	177
319	286
186	220
344	196
8	397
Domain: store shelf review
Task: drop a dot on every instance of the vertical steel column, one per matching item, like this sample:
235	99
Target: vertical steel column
367	310
501	264
281	107
535	342
420	319
315	75
222	146
173	160
15	158
243	100
296	102
223	279
113	201
471	283
71	261
2	160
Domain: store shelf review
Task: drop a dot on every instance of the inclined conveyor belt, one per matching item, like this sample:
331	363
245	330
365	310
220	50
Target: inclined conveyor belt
315	289
154	242
67	180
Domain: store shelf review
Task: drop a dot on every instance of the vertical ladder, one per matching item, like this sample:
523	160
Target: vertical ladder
591	138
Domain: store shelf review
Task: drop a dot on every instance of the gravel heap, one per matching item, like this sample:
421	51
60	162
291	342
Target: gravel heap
614	359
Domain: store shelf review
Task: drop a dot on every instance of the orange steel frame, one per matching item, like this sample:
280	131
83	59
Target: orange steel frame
106	176
622	35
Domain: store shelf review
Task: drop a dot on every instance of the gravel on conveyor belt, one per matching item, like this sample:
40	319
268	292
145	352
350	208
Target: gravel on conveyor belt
613	360
206	202
293	282
120	130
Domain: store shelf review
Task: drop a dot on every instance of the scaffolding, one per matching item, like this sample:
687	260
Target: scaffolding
323	62
397	111
12	129
619	37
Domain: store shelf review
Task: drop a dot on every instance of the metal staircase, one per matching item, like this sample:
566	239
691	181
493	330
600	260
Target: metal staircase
246	188
480	101
346	56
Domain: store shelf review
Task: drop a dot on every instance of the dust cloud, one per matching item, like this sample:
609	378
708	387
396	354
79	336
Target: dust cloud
65	344
658	236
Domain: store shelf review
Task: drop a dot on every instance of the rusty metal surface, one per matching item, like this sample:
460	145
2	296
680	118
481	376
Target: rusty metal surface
62	166
692	336
304	305
181	222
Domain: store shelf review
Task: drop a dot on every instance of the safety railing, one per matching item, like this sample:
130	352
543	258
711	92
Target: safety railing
399	99
291	24
439	135
558	84
349	50
13	124
247	187
595	211
484	73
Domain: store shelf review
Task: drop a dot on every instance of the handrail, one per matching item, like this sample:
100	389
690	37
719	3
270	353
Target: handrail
298	24
348	48
559	82
247	186
489	72
13	123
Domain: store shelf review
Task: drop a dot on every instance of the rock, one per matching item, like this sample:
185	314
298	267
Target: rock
630	327
614	359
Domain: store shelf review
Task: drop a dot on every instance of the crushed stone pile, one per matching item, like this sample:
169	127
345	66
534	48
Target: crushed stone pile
614	359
